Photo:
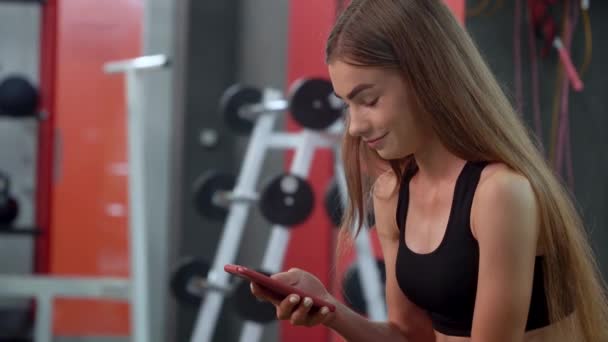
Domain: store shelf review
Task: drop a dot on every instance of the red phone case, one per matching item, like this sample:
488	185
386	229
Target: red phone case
274	285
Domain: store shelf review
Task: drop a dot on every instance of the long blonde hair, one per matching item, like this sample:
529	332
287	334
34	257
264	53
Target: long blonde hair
470	114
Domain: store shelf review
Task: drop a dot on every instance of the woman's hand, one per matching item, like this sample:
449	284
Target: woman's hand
298	310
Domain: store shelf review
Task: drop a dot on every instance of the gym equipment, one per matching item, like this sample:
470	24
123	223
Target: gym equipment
275	251
248	306
352	287
190	285
133	290
211	194
140	262
190	280
262	139
287	199
46	288
315	105
232	103
9	209
279	237
18	97
305	143
333	204
311	102
209	138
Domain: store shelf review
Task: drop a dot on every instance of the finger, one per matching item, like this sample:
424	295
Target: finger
290	277
287	306
300	315
320	316
264	294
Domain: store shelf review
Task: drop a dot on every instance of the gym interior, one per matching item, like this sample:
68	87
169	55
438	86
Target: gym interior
129	175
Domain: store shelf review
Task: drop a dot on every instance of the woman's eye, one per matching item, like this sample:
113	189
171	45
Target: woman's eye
372	103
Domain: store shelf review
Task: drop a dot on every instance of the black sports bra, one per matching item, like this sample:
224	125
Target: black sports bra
444	281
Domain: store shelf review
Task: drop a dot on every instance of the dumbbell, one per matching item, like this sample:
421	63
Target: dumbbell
286	199
189	284
351	287
9	208
312	104
18	97
334	208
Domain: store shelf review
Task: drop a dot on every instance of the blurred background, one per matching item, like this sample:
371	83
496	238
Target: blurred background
116	132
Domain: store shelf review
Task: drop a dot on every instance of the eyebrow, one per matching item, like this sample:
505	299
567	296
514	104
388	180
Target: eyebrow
356	90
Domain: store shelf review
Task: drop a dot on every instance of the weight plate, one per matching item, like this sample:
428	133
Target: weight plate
333	204
248	307
205	189
335	210
233	100
18	97
9	210
188	273
313	103
287	200
352	290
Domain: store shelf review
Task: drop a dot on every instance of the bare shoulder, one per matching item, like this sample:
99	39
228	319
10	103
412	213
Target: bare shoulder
385	199
500	182
502	192
384	186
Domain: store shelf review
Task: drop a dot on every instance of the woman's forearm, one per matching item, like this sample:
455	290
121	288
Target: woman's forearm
356	328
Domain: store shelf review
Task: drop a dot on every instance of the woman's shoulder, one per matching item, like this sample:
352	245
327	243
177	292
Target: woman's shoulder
500	176
385	185
505	191
385	197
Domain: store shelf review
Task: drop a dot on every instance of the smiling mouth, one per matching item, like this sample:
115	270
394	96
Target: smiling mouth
371	141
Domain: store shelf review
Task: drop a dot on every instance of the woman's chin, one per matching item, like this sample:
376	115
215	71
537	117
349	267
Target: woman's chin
387	154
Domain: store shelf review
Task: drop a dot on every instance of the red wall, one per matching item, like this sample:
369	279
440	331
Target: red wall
89	119
311	243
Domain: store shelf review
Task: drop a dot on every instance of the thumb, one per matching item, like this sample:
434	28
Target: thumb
291	277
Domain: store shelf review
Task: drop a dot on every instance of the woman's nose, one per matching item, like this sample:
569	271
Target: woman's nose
357	126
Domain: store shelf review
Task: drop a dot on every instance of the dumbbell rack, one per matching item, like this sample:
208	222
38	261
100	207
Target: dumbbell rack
134	290
275	251
304	143
262	139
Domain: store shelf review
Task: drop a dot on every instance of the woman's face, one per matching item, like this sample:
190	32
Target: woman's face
380	109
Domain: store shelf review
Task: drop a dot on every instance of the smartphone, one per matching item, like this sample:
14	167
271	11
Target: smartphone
274	285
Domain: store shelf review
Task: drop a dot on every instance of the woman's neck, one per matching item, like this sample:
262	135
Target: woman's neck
436	164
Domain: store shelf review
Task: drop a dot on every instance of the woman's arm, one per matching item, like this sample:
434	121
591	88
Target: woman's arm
406	322
505	222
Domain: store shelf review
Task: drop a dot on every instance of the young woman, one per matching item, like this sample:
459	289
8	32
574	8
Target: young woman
480	238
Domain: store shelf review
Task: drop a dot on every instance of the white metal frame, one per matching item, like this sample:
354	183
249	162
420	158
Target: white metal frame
140	292
44	289
262	139
134	289
305	144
